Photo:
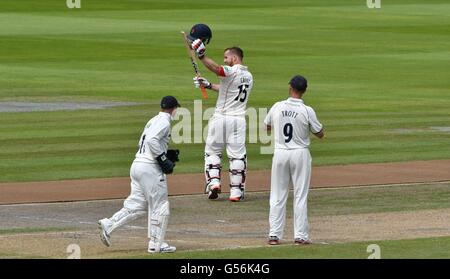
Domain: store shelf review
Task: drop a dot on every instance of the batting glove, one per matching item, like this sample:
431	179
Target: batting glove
199	48
199	80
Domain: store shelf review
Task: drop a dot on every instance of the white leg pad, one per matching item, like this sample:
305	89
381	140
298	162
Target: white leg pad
238	170
123	217
157	225
212	170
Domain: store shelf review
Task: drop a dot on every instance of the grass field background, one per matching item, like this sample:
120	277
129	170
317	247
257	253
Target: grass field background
379	78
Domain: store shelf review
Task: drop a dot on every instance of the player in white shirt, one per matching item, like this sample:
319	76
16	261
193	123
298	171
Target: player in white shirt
148	182
291	121
227	127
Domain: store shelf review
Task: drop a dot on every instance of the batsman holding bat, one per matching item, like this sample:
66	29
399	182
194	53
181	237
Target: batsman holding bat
227	127
148	182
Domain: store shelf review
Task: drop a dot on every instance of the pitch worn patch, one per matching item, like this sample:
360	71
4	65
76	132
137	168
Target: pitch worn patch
54	106
445	129
441	129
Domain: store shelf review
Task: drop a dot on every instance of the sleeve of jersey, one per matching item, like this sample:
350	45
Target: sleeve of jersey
155	137
225	71
314	124
268	119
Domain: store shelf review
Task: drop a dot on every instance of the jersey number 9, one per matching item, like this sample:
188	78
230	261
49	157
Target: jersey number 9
287	131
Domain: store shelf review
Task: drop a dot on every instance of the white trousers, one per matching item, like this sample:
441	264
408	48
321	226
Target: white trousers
290	165
148	194
226	131
148	189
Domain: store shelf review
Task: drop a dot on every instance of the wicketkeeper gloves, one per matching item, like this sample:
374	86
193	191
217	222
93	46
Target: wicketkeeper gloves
172	155
165	164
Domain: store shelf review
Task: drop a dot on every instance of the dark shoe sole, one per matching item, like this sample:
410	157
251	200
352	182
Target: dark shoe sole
214	194
302	242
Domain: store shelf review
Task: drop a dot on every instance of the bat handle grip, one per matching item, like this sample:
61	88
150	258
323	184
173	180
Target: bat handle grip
205	96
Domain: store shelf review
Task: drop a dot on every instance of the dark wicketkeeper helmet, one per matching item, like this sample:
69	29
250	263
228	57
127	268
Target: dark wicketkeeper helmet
200	31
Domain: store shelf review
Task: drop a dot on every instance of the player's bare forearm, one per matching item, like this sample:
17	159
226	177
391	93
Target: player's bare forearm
320	134
211	65
215	87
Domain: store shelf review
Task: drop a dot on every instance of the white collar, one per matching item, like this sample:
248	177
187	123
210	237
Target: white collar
295	100
240	66
165	114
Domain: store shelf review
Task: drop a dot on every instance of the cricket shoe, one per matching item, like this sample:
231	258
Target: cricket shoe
165	248
236	194
103	225
214	191
300	241
273	240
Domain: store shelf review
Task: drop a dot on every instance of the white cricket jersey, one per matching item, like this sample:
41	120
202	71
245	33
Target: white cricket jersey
236	82
291	122
154	139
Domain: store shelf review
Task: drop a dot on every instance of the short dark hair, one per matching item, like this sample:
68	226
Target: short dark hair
237	51
169	102
299	83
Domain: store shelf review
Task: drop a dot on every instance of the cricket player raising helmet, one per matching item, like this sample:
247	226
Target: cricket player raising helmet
227	127
291	121
148	182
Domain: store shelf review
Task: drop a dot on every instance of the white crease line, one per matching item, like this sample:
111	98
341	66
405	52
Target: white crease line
72	221
67	233
40	233
54	220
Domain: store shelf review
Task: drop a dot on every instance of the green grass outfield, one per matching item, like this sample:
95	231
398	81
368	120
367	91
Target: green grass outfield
422	248
379	78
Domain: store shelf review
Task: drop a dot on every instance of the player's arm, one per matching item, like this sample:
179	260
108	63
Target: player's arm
314	125
215	87
222	72
320	134
155	138
206	83
269	118
211	65
200	49
157	132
